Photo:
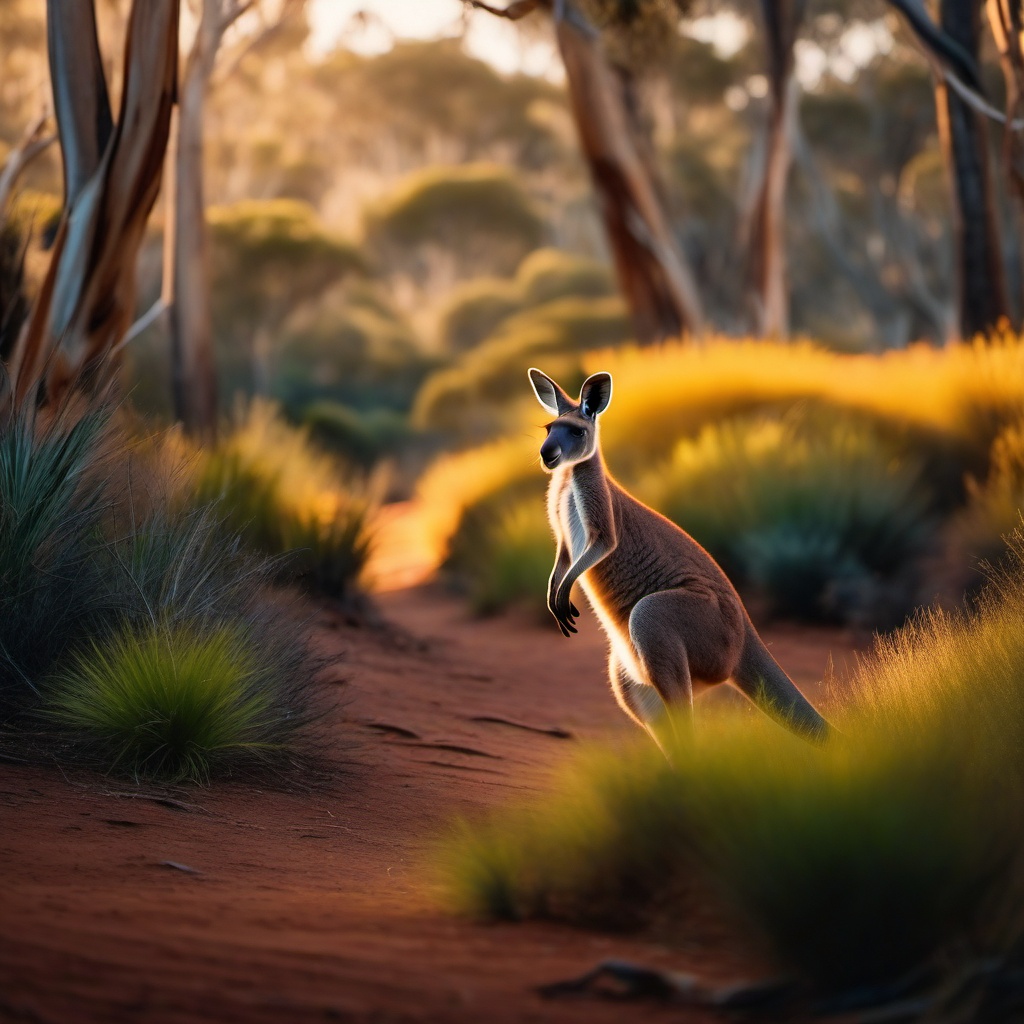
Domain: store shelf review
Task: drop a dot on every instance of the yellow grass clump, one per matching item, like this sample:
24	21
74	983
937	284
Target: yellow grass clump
963	394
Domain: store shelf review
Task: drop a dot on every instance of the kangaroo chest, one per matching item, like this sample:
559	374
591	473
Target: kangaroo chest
571	523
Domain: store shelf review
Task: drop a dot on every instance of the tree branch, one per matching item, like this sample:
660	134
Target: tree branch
938	43
148	318
81	102
233	13
514	12
29	146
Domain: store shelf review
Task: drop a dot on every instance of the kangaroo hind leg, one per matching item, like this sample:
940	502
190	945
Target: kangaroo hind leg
657	641
639	700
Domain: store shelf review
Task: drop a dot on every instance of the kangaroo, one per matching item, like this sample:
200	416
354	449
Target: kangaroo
673	619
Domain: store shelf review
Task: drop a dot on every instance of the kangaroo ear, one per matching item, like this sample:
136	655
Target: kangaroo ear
596	394
549	394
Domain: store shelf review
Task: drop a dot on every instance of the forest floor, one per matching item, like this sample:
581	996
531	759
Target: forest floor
309	899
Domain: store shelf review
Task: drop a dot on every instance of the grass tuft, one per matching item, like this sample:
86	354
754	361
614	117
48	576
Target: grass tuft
172	700
283	497
51	505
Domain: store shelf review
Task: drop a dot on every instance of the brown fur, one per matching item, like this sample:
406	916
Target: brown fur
673	619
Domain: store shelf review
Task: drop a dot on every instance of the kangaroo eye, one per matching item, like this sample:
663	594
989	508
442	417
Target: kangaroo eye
577	431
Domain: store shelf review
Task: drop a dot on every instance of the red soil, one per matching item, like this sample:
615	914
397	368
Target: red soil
308	902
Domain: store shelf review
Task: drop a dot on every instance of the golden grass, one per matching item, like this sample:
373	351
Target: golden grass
963	393
457	481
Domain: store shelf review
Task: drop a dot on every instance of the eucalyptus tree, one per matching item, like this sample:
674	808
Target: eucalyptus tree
652	270
112	172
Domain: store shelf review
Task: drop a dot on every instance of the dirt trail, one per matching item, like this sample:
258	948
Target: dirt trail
303	903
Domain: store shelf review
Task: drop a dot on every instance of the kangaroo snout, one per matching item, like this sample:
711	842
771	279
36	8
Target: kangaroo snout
550	453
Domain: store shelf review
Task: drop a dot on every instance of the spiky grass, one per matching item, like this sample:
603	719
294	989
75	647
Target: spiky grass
173	701
51	504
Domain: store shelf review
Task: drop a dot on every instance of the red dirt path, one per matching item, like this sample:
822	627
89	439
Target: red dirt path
308	902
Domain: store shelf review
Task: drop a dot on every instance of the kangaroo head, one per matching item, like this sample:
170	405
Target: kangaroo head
572	435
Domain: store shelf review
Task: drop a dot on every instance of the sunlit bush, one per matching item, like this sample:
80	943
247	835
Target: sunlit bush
549	274
285	498
814	512
455	483
856	863
502	552
953	400
994	504
467	397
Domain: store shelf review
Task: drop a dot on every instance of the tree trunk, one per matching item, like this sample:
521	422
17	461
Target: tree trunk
652	271
980	272
769	285
193	370
112	178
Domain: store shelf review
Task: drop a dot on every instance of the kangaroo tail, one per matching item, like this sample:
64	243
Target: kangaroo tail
760	678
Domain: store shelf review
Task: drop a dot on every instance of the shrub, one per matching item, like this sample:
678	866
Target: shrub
857	863
502	552
350	347
946	404
547	275
175	700
479	212
359	438
284	498
454	483
462	398
815	513
475	309
993	505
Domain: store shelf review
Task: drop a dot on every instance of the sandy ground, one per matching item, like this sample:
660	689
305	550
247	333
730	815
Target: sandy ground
307	900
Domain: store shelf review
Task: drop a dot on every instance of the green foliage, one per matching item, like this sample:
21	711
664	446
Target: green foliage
467	104
283	497
349	346
474	309
550	274
857	863
814	511
266	258
173	701
361	439
502	551
478	212
993	509
51	504
461	398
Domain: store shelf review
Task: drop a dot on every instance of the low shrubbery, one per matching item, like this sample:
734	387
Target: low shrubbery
857	863
502	553
134	622
472	397
51	506
825	483
816	514
286	499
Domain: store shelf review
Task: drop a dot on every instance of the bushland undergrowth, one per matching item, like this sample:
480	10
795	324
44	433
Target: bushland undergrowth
899	843
137	620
